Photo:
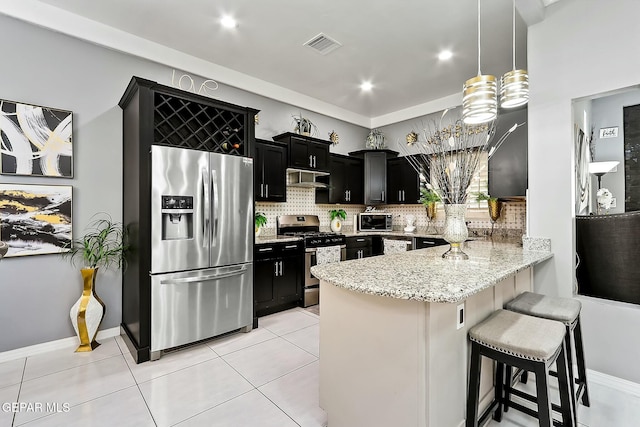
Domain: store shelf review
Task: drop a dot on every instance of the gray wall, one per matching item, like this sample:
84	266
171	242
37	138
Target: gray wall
46	68
608	112
565	60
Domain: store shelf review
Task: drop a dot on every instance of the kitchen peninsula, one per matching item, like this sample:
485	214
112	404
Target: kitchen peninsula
393	331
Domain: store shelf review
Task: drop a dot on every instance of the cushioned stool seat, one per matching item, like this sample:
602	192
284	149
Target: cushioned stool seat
526	342
567	311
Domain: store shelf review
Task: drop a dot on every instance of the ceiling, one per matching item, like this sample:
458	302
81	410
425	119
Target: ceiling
393	44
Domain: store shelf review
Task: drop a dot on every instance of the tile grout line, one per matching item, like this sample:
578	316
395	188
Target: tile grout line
24	369
213	407
258	390
172	372
137	385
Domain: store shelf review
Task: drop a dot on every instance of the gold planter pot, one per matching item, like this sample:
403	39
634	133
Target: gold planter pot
87	313
431	211
495	208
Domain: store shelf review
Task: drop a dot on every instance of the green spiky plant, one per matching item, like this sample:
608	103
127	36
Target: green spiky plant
104	244
484	196
428	196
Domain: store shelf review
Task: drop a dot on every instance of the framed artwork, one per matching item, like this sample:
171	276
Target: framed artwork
36	141
35	219
582	172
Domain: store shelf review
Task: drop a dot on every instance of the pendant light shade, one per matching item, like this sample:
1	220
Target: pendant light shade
514	89
479	99
480	94
514	85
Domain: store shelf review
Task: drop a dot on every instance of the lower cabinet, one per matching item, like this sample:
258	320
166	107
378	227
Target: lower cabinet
428	242
277	283
360	247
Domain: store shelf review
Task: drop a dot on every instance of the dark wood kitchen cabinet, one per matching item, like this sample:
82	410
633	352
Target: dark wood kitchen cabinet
375	174
278	276
344	181
403	182
508	165
270	171
359	247
155	114
428	242
306	152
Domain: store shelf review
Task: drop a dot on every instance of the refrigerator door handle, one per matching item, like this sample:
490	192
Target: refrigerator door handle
214	212
205	208
237	272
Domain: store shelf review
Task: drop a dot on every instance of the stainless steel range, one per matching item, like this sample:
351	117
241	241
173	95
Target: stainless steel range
308	227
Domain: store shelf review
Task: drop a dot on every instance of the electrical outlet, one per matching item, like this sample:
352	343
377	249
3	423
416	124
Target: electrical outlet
460	316
613	202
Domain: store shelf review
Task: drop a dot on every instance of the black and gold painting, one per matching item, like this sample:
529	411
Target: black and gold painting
36	141
35	219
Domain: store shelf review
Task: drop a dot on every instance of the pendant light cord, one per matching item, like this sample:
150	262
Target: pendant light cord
479	72
514	34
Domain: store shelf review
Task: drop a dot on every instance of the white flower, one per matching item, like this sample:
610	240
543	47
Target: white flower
604	198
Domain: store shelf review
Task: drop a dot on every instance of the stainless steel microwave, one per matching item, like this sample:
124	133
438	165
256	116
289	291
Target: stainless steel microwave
368	221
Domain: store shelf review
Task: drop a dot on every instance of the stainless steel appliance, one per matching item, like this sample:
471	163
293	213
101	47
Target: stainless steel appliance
202	231
375	221
308	227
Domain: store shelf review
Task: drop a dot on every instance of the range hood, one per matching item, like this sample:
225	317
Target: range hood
305	178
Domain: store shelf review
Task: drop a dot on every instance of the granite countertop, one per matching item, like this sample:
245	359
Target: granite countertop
423	275
276	239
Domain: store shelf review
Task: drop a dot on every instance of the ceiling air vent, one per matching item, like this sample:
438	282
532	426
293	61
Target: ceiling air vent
323	44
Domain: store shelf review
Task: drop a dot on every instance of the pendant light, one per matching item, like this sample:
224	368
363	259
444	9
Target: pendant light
480	94
514	85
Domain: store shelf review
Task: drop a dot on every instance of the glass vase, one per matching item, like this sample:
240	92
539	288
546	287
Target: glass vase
455	230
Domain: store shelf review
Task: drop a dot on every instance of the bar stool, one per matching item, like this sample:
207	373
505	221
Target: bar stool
526	342
567	311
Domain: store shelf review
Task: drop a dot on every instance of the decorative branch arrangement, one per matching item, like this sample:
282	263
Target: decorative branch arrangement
453	151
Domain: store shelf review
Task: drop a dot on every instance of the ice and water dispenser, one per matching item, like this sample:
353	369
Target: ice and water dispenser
177	217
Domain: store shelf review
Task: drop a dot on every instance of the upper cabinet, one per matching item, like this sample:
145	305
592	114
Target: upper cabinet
375	174
403	182
508	165
344	181
270	171
306	152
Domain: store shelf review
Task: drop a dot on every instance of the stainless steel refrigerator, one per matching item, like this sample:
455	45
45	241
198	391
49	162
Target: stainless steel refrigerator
202	230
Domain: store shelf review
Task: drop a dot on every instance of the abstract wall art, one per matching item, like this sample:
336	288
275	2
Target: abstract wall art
35	219
583	184
36	141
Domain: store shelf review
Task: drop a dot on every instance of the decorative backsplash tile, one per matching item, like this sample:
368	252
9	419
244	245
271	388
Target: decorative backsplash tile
301	201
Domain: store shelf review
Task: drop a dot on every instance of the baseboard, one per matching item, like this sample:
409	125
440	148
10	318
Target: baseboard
45	347
615	383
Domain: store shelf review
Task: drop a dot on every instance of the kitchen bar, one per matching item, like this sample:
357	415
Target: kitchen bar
403	358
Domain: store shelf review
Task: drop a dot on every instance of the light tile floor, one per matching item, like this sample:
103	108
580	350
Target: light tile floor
266	378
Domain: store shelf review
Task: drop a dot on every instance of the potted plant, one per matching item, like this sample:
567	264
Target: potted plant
261	221
304	126
337	216
429	198
103	245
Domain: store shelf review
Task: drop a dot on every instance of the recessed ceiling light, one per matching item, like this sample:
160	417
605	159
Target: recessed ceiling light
444	55
366	86
228	22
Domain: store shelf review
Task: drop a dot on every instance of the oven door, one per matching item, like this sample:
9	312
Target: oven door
312	283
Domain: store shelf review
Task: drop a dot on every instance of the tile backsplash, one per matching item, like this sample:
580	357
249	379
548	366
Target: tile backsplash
301	201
